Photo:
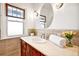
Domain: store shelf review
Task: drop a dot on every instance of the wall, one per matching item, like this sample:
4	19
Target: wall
0	20
3	21
66	17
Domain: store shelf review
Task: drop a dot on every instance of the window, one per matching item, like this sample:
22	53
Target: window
15	20
13	11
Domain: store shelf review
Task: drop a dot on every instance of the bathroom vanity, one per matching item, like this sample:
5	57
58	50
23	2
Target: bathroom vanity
45	48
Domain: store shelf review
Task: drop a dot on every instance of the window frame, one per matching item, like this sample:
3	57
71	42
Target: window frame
16	8
14	21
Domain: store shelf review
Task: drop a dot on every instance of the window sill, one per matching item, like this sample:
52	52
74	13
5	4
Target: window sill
8	37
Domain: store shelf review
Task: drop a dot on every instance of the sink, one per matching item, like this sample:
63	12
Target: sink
36	39
39	40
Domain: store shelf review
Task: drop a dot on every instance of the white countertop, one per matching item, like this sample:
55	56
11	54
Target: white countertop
51	49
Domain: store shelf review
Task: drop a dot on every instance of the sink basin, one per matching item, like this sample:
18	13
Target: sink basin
37	39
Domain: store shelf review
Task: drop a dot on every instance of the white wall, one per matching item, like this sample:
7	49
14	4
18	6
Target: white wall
3	21
66	17
0	20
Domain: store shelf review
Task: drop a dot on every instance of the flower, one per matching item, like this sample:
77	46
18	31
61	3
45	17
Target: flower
68	34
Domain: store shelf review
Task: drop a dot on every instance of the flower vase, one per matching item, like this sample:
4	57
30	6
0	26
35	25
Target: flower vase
69	43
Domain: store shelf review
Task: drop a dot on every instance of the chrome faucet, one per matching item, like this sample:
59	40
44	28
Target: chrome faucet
43	36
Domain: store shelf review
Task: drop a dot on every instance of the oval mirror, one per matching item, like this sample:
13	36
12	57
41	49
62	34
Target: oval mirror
46	15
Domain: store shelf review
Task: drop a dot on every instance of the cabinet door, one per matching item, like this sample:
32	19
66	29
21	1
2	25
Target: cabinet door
23	48
35	53
28	50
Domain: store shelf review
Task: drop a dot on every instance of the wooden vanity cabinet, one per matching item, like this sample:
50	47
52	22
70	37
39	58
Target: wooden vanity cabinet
28	50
